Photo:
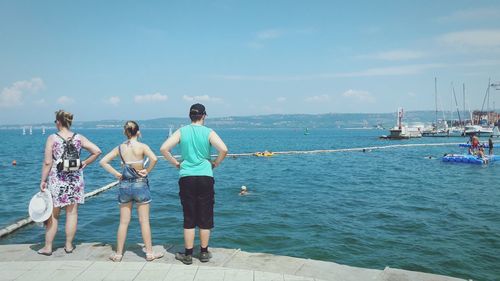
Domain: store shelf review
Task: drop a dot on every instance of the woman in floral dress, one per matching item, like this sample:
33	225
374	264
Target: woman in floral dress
67	188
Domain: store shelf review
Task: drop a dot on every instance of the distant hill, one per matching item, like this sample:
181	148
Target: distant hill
329	120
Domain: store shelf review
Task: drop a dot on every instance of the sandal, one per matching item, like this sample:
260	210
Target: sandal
69	251
116	258
153	256
40	252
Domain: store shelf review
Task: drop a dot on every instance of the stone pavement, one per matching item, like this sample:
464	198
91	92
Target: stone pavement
89	262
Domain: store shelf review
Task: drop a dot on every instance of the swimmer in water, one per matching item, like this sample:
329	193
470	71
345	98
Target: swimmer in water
243	191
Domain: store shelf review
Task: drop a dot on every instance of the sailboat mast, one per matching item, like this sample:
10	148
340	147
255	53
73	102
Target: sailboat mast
488	104
463	93
486	97
456	104
436	100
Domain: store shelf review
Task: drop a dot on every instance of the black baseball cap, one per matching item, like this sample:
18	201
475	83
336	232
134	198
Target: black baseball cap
197	109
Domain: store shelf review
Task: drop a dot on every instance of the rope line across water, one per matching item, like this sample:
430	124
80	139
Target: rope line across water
340	149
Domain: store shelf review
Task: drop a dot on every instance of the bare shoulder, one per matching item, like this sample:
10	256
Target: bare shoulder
51	138
144	146
82	137
212	134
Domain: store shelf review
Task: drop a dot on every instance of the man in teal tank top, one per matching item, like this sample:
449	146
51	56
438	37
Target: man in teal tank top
196	181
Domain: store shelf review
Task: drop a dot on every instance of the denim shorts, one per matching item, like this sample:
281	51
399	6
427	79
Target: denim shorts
136	190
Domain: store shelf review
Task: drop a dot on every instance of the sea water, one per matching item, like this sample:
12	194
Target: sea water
393	207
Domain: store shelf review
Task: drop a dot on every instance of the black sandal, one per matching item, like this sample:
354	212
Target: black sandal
69	251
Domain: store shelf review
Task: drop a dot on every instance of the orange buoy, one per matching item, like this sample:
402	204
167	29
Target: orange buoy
14	162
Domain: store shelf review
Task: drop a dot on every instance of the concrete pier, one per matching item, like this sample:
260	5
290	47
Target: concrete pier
90	262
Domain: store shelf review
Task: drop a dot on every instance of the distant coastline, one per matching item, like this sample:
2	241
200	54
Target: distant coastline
293	121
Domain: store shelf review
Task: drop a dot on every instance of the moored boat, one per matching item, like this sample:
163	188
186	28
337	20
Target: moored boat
401	131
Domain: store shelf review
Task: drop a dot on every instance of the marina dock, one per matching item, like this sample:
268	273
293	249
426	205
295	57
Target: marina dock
90	262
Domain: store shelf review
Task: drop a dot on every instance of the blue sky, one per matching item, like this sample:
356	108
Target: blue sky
148	59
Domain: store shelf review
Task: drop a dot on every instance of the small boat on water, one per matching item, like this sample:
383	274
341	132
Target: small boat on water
31	130
24	131
306	131
43	130
478	130
401	131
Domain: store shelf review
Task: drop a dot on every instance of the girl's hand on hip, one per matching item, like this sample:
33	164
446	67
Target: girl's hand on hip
143	172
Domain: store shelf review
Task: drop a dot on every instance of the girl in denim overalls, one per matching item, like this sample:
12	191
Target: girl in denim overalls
133	187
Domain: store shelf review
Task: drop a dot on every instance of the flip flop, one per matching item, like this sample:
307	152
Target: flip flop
154	256
48	254
69	251
116	258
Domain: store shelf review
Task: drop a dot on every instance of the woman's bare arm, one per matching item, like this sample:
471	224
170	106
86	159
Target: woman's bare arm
168	145
221	147
108	158
152	161
92	148
47	163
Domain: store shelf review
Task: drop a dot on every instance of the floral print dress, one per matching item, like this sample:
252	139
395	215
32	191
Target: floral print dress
66	187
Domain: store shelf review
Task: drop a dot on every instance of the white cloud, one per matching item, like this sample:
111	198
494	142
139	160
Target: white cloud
361	96
255	45
65	100
411	69
391	70
156	97
14	95
202	98
41	102
482	39
114	100
269	34
471	14
280	99
395	55
262	37
319	98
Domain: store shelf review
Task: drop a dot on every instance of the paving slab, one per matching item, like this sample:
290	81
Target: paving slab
337	272
121	275
238	274
181	273
95	275
297	278
64	274
10	275
393	274
149	275
268	276
265	262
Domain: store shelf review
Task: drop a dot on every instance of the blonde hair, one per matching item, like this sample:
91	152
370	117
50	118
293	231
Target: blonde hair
131	128
65	118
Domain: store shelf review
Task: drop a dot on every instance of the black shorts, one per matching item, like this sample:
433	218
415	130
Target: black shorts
197	199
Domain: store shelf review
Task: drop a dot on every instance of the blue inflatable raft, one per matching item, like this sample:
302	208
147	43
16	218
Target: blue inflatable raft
485	145
470	159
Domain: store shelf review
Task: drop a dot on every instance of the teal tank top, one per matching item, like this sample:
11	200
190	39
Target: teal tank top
195	151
